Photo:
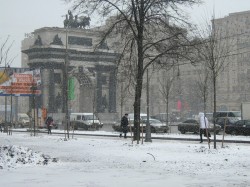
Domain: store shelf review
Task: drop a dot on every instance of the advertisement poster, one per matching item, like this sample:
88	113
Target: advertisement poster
20	84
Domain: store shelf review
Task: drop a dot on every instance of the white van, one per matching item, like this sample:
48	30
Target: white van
85	121
23	120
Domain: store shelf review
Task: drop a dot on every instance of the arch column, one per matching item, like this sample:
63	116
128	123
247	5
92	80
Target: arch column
48	89
112	92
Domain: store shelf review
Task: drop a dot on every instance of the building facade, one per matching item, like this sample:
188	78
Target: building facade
91	69
233	83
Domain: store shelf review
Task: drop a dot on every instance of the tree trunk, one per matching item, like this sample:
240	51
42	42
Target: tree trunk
138	89
214	82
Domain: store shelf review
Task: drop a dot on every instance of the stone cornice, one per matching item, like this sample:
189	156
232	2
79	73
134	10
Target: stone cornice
43	53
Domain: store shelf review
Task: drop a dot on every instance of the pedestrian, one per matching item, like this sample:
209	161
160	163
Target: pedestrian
49	123
204	124
124	125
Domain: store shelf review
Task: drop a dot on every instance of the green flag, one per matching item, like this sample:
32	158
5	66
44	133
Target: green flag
71	87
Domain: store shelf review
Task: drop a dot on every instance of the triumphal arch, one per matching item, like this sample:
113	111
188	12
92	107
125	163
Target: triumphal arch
91	69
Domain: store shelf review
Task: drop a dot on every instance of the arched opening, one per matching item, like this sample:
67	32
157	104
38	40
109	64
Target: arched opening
84	94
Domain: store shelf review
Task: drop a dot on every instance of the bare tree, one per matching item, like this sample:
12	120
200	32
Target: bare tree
202	84
145	30
214	51
5	58
166	90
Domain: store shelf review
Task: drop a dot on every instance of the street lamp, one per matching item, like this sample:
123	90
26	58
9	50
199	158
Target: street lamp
66	64
148	129
33	88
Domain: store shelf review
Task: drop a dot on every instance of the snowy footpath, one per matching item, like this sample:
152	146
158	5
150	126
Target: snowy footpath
50	161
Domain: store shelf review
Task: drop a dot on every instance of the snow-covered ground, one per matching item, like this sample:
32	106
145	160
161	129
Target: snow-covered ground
49	160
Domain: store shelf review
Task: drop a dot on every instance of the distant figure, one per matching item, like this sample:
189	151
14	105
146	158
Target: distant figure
49	123
124	125
204	124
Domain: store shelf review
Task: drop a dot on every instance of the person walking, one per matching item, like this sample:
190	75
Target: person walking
124	125
49	123
204	124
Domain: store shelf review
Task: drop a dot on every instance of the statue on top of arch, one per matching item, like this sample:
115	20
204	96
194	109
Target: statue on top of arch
75	22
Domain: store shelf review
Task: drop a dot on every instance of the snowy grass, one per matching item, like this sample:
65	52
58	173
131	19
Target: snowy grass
116	162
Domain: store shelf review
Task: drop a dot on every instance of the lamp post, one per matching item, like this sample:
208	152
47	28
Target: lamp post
33	89
148	129
66	64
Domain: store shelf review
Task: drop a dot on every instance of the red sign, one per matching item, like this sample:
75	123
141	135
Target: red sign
26	84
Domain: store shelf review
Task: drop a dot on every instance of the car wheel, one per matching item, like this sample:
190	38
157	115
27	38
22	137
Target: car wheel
234	132
153	130
183	131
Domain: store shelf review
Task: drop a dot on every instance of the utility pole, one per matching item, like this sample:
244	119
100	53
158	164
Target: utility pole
148	129
121	99
11	102
34	88
66	83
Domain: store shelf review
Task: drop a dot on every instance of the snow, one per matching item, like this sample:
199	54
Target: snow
87	161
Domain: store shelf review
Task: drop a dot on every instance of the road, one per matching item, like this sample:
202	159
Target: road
173	134
108	128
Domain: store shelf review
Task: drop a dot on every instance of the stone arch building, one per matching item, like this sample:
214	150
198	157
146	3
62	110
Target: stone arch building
91	70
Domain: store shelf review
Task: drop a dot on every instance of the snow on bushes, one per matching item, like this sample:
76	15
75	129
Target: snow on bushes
12	156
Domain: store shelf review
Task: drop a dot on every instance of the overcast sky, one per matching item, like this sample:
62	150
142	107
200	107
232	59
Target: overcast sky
18	17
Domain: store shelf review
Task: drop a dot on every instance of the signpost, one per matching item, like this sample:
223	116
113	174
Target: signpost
21	84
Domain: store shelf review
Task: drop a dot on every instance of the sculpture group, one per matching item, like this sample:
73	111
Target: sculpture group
75	22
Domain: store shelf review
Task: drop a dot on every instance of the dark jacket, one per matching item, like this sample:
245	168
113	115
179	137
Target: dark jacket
49	121
124	122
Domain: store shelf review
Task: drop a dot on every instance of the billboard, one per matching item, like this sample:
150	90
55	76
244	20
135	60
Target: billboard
27	83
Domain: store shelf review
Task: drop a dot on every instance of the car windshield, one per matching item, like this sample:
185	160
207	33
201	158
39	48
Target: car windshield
190	121
237	114
233	120
24	118
154	121
89	117
143	117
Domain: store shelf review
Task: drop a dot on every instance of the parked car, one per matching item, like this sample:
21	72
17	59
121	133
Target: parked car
241	127
85	121
161	116
192	125
226	120
117	126
156	126
23	120
235	114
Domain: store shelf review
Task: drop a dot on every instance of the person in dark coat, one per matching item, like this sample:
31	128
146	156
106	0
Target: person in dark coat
49	123
124	125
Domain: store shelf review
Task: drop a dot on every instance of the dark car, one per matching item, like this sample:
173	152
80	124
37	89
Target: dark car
241	127
192	125
226	120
